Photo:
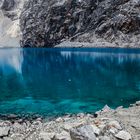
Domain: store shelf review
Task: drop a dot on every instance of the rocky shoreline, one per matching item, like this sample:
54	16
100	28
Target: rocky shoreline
106	124
69	44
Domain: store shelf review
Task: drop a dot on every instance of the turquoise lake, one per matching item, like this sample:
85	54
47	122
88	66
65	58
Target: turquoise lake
58	81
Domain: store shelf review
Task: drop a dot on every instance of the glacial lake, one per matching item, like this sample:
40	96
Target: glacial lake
58	81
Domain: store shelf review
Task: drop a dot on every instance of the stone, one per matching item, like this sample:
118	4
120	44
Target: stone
62	136
97	113
106	108
123	135
59	119
5	123
18	127
104	138
113	130
81	115
120	107
4	131
67	127
114	124
137	3
96	130
132	105
7	138
12	116
138	103
85	132
92	116
46	135
17	136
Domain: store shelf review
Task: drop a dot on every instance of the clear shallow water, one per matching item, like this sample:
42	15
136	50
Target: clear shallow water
55	82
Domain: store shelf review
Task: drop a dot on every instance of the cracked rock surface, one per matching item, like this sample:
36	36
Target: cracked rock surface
10	33
47	23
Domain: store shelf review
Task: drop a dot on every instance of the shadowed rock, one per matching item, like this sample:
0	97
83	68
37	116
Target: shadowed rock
8	5
46	23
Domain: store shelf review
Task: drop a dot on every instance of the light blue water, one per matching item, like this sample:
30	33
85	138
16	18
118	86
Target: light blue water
55	81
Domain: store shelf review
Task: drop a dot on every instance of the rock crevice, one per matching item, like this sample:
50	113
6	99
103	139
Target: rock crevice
45	23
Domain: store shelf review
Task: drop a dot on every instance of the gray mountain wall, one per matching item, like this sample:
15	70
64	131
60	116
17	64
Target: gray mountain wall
42	23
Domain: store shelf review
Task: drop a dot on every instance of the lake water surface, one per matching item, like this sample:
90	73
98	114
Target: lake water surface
58	81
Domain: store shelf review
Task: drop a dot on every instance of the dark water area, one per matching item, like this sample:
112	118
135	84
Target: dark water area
58	81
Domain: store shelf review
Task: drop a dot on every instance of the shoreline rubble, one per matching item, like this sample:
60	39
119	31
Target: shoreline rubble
106	124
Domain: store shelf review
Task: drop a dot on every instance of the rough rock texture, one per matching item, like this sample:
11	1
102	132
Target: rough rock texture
45	22
123	135
108	124
83	133
10	33
4	131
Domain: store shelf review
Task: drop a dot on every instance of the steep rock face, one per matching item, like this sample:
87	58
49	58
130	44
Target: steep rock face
45	22
10	33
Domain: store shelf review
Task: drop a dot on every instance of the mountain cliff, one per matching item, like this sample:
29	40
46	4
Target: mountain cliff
10	33
50	22
45	22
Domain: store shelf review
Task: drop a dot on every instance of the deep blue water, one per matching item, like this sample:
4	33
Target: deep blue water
59	81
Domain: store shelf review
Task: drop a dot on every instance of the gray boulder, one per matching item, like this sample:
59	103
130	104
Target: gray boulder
85	132
123	135
4	131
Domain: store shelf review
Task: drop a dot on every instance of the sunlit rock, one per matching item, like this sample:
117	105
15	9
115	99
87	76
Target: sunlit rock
123	135
10	33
